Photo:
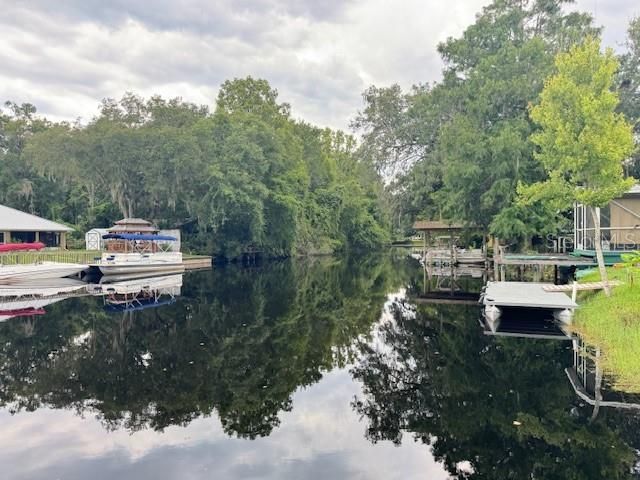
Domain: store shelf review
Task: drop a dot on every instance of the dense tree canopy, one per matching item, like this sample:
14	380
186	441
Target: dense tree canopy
458	148
246	177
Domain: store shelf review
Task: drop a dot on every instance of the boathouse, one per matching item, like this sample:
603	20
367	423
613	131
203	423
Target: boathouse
22	227
619	225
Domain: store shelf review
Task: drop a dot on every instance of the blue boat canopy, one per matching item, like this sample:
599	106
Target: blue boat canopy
138	236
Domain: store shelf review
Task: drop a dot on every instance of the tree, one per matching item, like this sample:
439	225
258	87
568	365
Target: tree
582	141
628	80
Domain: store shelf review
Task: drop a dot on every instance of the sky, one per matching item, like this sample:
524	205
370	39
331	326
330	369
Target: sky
65	56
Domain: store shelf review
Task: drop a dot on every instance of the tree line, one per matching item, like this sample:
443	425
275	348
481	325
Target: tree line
458	148
246	177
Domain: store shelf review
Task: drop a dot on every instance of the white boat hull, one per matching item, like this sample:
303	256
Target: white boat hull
140	264
132	269
40	271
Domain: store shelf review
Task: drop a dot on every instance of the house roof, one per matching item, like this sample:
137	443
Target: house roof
12	220
436	225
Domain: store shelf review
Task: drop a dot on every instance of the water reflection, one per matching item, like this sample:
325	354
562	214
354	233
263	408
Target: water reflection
249	373
488	407
239	342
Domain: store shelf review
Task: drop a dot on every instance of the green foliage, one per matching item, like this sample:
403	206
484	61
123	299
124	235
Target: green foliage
464	144
245	178
582	139
628	80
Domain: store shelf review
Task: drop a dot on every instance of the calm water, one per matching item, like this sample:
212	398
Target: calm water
317	370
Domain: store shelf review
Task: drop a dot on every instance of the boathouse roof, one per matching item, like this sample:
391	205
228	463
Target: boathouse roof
434	225
12	220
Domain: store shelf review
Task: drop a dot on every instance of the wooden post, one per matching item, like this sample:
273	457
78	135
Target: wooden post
496	257
424	247
37	237
63	240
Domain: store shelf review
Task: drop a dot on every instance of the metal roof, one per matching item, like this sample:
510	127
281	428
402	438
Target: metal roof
437	225
634	190
12	220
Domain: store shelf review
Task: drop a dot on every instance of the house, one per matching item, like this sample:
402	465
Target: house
21	227
619	225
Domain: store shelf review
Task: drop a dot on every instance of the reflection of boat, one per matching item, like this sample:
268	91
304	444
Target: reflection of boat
29	299
37	270
138	294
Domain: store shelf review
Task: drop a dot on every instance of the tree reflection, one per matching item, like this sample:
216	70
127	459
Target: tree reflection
502	408
237	343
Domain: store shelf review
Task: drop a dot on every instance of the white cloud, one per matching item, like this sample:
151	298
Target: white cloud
66	56
321	437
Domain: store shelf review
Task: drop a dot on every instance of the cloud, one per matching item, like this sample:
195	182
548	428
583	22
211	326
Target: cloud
64	57
321	438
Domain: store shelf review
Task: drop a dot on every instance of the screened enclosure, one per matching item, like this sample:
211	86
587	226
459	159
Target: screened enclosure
619	224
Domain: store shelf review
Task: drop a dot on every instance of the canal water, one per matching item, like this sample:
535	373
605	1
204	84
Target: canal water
318	369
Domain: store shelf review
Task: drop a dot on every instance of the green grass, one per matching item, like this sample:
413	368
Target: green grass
613	324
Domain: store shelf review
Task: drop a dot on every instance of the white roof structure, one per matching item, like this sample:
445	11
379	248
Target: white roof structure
635	189
12	220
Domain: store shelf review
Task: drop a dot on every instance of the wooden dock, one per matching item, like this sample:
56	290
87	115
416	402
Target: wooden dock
544	260
196	262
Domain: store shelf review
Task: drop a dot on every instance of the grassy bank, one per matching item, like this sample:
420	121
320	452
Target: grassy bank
613	324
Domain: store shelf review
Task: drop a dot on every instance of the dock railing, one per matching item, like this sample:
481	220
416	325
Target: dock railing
61	256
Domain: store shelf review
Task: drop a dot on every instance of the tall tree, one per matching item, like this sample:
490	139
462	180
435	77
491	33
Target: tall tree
582	141
628	80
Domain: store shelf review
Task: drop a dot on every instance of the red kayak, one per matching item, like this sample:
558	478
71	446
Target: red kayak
20	247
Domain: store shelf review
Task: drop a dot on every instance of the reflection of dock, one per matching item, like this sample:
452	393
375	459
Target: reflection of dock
451	285
30	298
448	298
587	379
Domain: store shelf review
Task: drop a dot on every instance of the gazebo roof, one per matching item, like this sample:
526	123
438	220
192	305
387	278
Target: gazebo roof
12	220
133	225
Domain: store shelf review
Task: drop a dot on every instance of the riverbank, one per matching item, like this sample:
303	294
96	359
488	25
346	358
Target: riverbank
613	325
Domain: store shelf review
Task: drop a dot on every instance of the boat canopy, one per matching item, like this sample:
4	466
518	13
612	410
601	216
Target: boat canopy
17	247
138	236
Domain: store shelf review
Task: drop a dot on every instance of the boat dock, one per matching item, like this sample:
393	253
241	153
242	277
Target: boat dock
500	295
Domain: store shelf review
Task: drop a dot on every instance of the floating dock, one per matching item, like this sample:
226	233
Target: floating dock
499	295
